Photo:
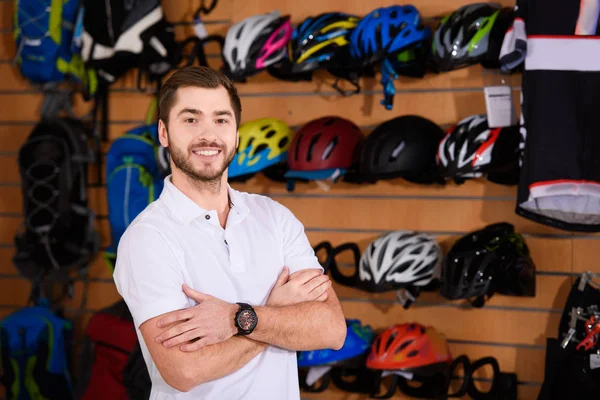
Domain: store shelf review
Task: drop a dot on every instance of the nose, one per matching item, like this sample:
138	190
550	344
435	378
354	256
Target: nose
205	132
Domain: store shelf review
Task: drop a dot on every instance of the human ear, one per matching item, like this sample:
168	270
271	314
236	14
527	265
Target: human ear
163	135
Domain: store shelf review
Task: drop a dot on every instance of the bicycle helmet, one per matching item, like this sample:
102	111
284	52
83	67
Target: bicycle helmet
410	347
386	30
402	147
256	43
352	355
317	41
264	142
324	148
396	260
491	260
463	38
471	148
416	352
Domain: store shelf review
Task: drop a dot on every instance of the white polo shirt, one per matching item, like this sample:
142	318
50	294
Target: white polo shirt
174	241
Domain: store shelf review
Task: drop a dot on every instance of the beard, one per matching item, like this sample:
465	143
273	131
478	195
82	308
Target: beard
207	175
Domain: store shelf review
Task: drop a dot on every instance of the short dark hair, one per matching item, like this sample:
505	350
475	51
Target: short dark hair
203	77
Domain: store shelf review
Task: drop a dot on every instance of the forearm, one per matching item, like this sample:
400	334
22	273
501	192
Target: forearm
212	362
303	326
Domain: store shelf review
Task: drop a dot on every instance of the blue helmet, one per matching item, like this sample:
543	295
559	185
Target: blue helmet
385	31
358	342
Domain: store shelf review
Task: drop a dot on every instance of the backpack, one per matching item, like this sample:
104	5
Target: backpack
110	337
45	53
35	346
136	377
58	234
134	180
122	35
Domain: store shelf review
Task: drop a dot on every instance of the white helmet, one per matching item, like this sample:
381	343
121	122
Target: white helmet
256	43
400	259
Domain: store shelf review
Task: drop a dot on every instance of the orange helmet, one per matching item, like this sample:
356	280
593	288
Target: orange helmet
409	347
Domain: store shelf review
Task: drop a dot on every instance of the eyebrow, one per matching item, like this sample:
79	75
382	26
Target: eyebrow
195	111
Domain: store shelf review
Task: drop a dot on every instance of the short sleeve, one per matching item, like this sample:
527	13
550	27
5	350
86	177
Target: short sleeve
297	252
148	274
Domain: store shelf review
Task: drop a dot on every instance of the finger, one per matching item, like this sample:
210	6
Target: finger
175	331
174	316
322	297
306	275
320	290
183	338
194	294
315	282
197	345
283	277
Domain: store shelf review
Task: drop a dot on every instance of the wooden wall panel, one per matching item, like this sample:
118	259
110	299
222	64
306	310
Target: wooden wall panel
513	330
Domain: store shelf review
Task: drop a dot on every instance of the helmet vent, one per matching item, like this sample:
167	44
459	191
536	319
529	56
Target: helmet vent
270	134
403	346
391	339
283	142
260	148
238	34
329	148
328	121
250	141
311	146
298	147
413	353
234	55
265	127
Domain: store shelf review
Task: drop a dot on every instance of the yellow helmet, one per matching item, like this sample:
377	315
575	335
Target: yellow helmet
264	142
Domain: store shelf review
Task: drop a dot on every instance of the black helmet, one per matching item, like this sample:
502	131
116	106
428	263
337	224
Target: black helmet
402	147
491	260
471	148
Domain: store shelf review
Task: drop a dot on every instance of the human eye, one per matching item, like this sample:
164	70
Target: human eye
189	120
222	121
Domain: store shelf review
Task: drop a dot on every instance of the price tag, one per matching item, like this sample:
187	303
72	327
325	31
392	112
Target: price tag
594	361
500	107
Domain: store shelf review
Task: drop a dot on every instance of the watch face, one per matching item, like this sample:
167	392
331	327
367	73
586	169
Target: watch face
247	320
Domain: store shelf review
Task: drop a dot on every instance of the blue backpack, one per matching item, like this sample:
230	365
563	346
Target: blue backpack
34	354
44	32
134	180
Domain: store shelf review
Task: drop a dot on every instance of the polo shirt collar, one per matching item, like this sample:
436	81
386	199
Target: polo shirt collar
187	211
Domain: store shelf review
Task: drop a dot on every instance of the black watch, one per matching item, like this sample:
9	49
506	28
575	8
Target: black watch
245	319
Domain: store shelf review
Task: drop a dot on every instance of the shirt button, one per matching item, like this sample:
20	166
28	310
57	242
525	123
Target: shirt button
207	216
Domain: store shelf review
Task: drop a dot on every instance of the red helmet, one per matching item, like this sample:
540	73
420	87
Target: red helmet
409	347
324	148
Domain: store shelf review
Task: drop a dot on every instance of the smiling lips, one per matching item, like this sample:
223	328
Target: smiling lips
207	153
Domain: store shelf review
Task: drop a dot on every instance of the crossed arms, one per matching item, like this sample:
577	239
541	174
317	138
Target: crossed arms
197	344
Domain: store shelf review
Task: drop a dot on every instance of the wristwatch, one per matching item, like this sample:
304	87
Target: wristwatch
245	319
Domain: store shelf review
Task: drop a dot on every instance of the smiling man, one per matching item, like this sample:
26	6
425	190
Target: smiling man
223	285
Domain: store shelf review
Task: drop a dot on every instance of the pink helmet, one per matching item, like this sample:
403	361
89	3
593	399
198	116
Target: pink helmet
256	43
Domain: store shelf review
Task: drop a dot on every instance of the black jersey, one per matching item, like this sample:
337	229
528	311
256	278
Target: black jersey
560	172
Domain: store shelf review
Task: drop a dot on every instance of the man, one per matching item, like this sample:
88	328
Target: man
190	257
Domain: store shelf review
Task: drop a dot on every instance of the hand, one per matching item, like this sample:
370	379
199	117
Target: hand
307	285
210	321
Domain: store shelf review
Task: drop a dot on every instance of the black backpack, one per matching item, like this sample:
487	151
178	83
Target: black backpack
120	36
136	377
58	232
